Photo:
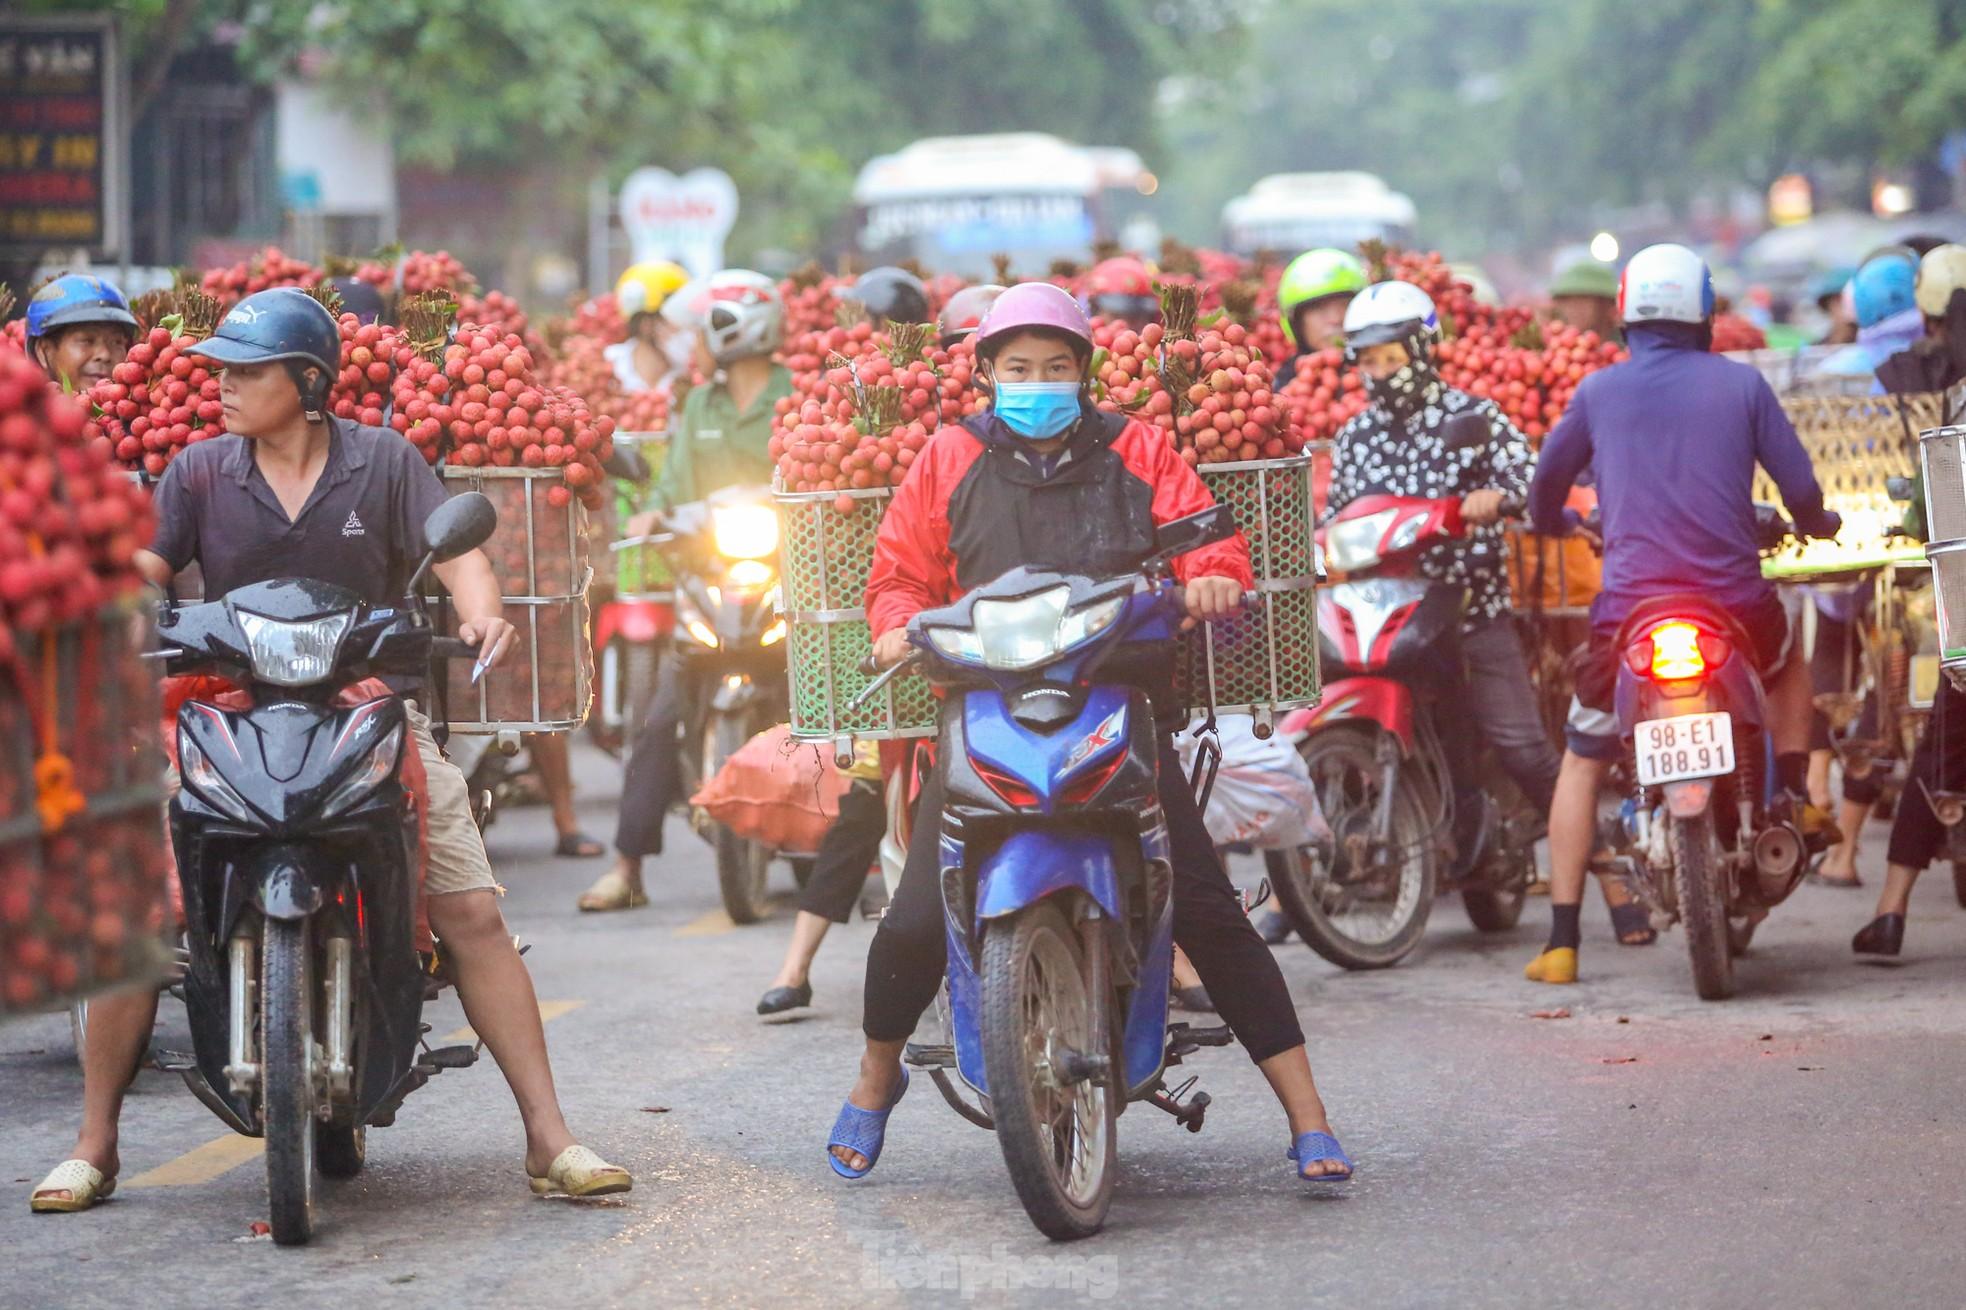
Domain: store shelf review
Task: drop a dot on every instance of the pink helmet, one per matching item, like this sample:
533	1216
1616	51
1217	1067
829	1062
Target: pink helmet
1031	306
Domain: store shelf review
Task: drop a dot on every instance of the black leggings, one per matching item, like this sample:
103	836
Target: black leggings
654	776
849	847
909	952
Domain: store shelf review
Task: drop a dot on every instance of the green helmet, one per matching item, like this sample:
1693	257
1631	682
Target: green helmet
1586	277
1314	275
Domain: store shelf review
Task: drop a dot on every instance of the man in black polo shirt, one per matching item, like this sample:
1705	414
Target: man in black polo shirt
304	495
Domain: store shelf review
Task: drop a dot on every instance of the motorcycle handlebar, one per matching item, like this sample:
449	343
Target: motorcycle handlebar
450	648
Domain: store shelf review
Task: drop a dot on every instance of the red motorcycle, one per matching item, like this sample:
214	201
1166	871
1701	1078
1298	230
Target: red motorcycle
1361	897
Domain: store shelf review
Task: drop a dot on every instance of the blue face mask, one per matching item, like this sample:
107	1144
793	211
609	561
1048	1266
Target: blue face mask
1037	410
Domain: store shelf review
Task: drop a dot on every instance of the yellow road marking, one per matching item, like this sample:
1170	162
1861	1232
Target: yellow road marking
710	925
548	1011
202	1164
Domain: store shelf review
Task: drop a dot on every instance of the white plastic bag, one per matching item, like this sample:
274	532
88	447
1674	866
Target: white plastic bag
1263	792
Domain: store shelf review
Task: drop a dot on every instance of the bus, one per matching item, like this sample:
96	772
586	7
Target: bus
1289	212
953	202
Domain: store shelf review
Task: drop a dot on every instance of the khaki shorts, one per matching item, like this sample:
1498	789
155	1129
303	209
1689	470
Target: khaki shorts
457	861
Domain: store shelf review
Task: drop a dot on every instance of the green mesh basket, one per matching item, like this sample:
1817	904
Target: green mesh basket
825	557
639	572
1264	660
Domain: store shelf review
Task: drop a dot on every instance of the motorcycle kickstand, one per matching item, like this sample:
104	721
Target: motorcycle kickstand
1188	1113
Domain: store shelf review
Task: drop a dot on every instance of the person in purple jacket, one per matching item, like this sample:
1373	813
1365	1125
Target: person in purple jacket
1672	437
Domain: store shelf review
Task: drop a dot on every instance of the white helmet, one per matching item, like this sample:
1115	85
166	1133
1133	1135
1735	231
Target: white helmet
739	313
1665	284
1389	311
1940	273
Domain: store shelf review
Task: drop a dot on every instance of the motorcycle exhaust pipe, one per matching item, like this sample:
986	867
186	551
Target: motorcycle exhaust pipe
1777	861
241	1070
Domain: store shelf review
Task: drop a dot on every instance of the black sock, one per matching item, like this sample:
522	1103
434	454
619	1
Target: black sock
1564	927
1792	771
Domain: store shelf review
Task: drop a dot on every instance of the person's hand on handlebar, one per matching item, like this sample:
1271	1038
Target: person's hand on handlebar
1482	507
493	637
1208	599
645	524
891	647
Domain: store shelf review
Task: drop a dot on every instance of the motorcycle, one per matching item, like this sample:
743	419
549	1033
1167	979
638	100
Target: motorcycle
1697	839
1361	897
1057	884
729	637
295	839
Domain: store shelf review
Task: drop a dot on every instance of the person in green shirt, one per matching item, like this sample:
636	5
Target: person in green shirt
722	440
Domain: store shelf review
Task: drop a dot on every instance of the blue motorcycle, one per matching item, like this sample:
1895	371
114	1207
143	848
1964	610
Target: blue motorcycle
1057	885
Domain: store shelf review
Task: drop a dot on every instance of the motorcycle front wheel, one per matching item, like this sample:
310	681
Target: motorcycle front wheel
1358	918
1059	1138
286	1013
743	866
1703	905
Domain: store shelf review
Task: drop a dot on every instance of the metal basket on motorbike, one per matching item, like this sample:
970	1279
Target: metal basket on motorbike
82	861
1942	455
826	557
634	566
540	554
1265	660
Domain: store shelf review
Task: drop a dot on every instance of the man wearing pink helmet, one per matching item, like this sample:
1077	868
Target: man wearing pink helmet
1043	479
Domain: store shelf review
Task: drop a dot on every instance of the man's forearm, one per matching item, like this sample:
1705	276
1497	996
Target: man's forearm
473	587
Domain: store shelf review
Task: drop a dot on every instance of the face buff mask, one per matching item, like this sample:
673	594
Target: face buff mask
679	350
1037	410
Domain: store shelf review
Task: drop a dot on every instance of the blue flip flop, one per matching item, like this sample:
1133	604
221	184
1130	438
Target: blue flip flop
1315	1148
862	1132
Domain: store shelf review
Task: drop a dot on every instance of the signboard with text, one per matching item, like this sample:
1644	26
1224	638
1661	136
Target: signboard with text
684	219
62	135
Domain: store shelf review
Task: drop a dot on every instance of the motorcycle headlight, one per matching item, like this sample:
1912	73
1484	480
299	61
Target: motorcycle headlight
749	575
1027	631
745	531
208	784
293	654
367	775
1353	544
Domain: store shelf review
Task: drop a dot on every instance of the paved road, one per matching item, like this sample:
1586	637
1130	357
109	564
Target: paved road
1801	1145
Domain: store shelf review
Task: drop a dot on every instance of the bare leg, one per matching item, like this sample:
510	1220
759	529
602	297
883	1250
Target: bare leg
119	1031
1290	1078
880	1079
1791	702
1184	972
808	931
549	752
1573	826
1898	882
1840	863
498	998
1819	779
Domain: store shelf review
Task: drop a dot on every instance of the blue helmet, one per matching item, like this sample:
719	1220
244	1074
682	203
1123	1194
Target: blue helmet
282	324
1884	286
73	299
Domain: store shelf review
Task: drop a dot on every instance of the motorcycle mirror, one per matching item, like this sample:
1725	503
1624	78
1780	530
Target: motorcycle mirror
1467	432
1179	536
462	523
626	462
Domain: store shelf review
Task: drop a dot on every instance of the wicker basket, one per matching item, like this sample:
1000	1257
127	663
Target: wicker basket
540	554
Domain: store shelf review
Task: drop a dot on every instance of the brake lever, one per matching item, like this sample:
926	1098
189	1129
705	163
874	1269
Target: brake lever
881	680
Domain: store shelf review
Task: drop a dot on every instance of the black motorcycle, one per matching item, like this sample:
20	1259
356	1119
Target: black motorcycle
730	639
296	844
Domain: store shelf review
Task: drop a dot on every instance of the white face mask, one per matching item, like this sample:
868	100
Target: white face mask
679	350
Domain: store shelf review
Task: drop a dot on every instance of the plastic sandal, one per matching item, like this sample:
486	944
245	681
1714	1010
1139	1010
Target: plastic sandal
1317	1148
578	846
578	1171
1556	965
611	891
863	1132
84	1183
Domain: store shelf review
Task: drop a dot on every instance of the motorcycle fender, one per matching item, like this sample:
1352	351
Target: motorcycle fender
283	885
734	695
1034	864
1379	700
1689	799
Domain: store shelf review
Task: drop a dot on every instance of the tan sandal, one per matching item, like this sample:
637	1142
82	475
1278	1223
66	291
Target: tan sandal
611	891
580	1172
83	1183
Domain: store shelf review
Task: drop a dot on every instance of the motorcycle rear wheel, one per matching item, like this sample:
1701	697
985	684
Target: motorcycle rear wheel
1059	1141
743	866
1345	769
1703	905
286	1015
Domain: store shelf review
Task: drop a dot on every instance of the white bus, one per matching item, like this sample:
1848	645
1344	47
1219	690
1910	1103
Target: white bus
954	201
1291	212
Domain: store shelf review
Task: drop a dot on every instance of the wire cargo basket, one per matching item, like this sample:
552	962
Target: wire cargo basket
83	865
1265	660
540	554
826	556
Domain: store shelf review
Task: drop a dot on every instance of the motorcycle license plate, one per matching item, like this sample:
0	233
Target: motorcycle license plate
1691	746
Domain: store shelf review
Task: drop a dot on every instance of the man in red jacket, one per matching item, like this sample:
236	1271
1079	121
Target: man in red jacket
1045	480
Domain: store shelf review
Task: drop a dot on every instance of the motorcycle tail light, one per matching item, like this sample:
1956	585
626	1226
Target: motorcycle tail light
1084	789
1012	791
1676	652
